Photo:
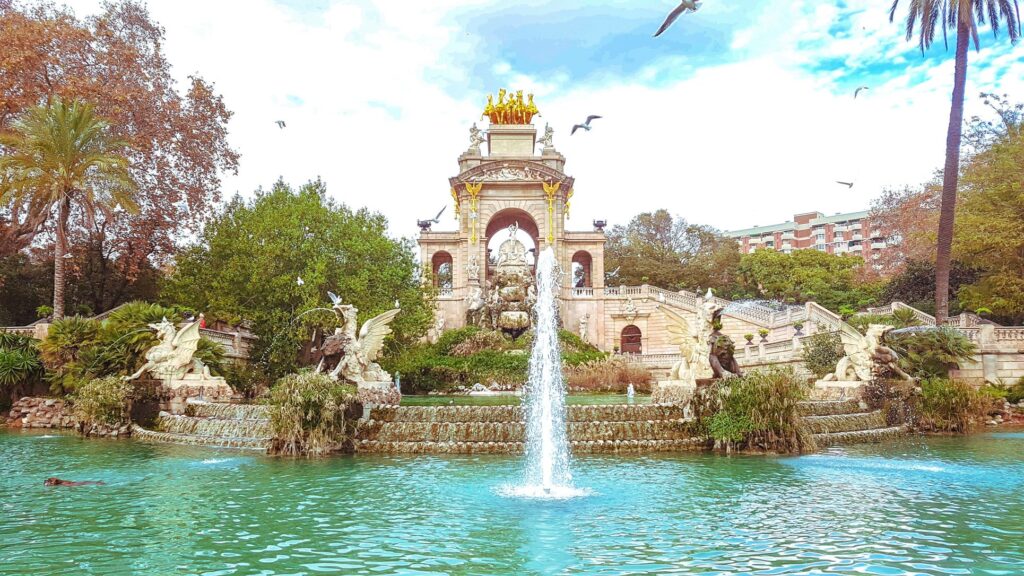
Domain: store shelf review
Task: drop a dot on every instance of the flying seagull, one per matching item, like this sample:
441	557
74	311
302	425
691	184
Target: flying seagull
586	125
857	91
684	6
425	224
335	299
280	123
847	184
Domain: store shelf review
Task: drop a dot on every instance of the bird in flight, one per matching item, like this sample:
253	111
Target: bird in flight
280	124
335	299
847	184
684	6
857	91
586	125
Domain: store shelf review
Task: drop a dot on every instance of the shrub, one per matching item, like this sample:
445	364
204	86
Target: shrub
933	352
19	363
757	411
309	414
822	353
102	402
68	351
479	341
861	321
904	317
612	374
1015	393
950	406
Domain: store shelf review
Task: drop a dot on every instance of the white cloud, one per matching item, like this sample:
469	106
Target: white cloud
366	91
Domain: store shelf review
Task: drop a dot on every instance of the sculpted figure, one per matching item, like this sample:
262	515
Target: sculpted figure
172	358
584	320
473	268
549	134
865	355
348	356
475	137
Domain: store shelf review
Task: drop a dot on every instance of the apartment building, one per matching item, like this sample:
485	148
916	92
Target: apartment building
849	233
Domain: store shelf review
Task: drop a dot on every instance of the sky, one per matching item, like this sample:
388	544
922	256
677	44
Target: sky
741	114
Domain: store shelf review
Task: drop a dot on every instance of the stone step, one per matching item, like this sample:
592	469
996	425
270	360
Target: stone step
845	422
225	411
140	433
676	429
828	407
577	447
212	426
858	437
602	413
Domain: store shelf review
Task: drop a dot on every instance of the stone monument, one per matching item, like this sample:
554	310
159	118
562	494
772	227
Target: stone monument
866	358
511	293
349	356
180	377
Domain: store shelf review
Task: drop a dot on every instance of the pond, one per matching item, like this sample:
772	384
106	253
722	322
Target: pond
921	506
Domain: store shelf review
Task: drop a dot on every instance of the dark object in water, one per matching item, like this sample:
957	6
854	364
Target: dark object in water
54	481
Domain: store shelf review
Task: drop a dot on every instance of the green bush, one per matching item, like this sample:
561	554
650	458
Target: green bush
757	411
69	351
933	352
822	353
1015	393
19	363
309	414
950	406
102	402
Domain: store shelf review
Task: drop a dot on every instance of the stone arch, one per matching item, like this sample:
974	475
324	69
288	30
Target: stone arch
631	341
442	268
582	269
494	234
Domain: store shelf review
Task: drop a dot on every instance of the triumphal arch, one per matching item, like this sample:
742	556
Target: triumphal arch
512	202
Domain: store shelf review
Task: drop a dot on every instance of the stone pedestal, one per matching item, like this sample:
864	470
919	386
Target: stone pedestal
175	394
677	392
378	393
837	390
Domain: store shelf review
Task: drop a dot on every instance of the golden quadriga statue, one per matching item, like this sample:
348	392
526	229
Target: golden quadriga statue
514	110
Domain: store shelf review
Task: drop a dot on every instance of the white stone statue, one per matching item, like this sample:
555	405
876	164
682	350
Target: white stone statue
630	310
584	320
475	299
475	137
693	347
865	355
548	137
438	328
473	268
511	254
172	358
355	355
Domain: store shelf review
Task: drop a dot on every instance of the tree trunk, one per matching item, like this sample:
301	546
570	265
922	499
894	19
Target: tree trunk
951	175
61	248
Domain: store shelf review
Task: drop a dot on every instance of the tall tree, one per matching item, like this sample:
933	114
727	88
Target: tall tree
657	249
803	276
59	158
177	134
271	261
963	16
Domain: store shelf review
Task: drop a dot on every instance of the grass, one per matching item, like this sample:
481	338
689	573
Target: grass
310	415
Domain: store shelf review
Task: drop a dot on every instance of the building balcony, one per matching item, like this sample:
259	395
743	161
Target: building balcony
788	236
856	248
877	245
583	292
840	228
856	237
856	226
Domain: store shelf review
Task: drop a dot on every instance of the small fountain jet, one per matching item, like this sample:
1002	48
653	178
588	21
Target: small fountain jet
684	6
586	125
426	224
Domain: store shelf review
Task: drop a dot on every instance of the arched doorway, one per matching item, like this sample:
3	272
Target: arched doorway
441	269
526	231
632	340
582	265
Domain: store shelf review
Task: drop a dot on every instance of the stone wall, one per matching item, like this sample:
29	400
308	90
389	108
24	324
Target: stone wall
29	412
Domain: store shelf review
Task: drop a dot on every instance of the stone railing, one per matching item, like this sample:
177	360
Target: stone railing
236	346
922	317
818	315
445	292
751	312
583	292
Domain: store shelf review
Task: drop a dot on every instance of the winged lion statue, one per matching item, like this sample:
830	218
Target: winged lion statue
351	356
173	357
866	355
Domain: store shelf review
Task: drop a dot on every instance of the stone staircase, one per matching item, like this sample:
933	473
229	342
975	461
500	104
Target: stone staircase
501	430
839	422
209	424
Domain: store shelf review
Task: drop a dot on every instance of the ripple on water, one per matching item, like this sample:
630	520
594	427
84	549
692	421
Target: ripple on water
941	506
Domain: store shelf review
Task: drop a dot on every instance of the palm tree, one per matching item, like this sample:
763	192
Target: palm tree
925	16
59	157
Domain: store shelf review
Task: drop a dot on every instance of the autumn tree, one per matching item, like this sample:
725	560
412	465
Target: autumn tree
271	260
657	249
61	157
908	219
177	137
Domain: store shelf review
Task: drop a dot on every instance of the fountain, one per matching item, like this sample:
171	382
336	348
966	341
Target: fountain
547	448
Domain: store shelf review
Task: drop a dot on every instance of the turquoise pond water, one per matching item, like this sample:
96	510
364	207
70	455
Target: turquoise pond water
921	506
